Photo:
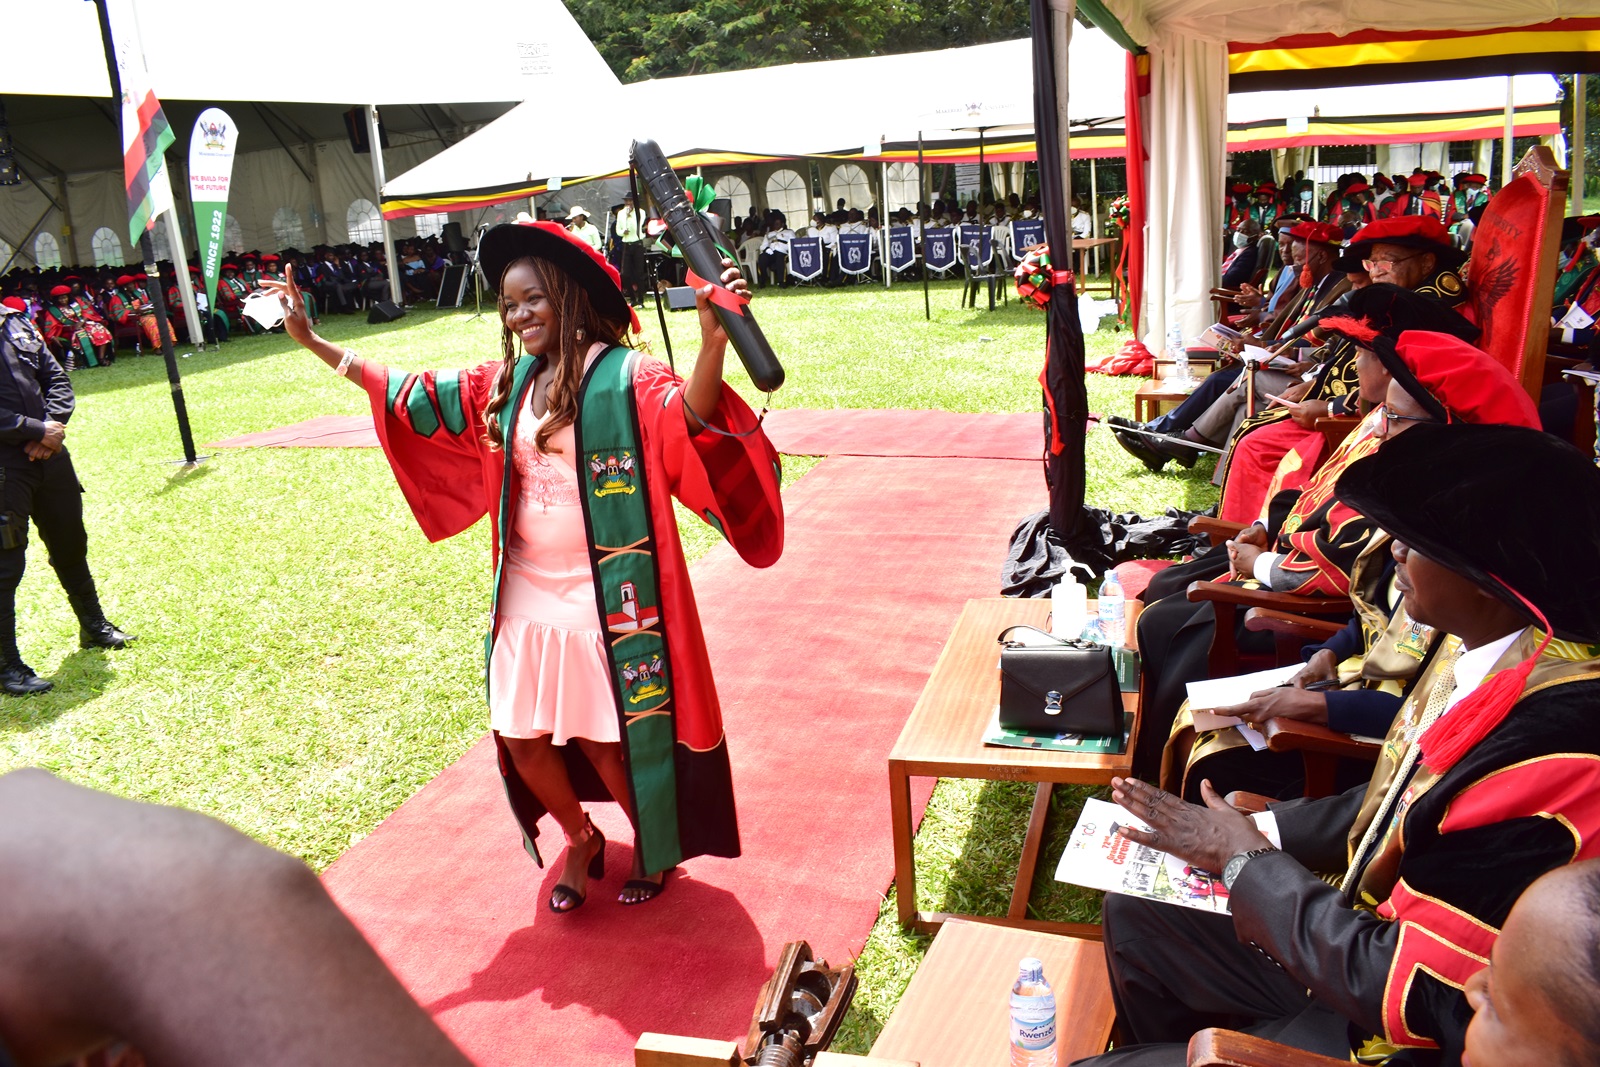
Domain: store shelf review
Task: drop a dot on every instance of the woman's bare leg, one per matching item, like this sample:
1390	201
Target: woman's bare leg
607	760
543	771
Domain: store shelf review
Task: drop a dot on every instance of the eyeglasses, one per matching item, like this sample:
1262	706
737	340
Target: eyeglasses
1390	418
1371	263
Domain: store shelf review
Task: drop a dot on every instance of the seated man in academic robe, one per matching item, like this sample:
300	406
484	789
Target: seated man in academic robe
1313	548
1375	660
1315	249
1486	781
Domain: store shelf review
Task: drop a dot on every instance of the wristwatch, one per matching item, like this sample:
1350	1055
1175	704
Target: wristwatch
1236	864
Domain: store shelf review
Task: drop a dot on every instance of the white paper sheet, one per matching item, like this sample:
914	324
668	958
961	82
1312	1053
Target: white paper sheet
1226	692
1098	857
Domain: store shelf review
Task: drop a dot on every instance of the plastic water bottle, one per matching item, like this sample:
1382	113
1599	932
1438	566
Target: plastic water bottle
1113	619
1033	1018
1178	352
1069	604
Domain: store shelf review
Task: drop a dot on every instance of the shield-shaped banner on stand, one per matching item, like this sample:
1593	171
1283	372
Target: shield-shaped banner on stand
939	248
855	252
902	248
805	258
1025	233
977	244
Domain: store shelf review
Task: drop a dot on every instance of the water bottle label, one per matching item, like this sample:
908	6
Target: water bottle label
1033	1037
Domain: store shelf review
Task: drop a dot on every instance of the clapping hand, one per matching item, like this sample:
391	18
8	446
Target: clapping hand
1204	836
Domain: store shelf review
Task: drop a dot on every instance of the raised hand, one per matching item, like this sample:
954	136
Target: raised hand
295	321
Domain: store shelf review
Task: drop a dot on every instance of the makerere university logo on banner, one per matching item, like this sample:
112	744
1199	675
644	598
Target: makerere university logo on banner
211	148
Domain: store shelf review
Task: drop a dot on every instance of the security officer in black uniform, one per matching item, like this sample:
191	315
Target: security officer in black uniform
37	480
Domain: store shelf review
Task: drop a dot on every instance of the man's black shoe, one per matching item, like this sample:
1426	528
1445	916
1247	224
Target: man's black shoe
19	680
1139	448
101	634
1168	448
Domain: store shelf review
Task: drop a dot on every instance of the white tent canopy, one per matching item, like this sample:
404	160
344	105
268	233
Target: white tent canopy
797	109
311	51
285	74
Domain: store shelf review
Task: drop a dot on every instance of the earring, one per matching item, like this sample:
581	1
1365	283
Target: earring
579	334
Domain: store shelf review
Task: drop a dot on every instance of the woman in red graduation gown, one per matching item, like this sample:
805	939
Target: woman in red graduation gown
575	445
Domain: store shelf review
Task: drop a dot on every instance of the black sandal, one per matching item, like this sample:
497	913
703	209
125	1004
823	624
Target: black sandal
564	898
651	889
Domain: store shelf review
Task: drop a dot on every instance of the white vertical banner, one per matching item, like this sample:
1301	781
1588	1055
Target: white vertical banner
211	150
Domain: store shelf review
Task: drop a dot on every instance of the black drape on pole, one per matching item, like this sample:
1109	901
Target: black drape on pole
1066	399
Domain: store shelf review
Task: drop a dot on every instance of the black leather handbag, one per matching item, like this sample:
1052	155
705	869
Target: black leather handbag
1069	687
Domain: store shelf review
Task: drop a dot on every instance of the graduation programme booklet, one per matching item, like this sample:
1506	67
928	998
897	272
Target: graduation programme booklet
1100	858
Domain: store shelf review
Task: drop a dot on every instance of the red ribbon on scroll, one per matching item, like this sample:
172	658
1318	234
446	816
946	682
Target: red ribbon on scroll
721	295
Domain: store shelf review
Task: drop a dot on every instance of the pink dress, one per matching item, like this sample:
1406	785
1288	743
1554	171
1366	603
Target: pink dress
549	673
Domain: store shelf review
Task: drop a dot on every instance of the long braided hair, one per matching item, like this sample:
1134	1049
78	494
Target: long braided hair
578	325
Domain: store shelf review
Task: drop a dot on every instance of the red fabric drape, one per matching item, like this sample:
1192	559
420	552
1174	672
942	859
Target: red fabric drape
1138	87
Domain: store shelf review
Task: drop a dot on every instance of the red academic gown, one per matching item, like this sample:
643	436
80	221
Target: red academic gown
431	427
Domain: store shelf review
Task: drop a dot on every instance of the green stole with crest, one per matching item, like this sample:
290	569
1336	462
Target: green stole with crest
622	556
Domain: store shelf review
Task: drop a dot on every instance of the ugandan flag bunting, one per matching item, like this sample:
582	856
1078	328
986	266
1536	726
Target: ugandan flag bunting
145	133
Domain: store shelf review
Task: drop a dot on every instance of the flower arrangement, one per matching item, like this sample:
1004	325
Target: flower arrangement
1035	277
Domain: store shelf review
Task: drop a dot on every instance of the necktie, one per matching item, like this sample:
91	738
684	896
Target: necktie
1443	686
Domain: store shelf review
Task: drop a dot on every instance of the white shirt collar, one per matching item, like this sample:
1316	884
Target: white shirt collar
1474	664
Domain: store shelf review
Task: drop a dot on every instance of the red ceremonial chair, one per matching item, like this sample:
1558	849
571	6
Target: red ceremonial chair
1511	274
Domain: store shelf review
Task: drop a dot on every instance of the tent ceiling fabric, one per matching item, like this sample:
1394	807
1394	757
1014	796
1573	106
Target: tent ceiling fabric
1467	94
77	135
509	50
1153	21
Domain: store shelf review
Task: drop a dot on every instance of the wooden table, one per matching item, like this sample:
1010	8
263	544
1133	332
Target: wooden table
1152	394
956	1011
944	738
1082	245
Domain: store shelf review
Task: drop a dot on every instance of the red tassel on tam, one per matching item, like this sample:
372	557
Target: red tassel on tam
1469	722
1353	328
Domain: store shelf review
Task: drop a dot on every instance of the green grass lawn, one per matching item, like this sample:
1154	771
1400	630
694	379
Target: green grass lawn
306	660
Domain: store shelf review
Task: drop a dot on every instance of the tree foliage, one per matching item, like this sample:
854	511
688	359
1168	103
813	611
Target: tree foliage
662	38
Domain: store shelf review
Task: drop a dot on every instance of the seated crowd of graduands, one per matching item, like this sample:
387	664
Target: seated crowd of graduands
1464	530
85	312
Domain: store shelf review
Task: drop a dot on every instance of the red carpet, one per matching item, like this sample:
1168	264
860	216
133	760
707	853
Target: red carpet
798	432
818	661
324	431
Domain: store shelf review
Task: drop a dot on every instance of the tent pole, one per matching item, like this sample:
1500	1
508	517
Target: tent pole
1580	115
883	221
1506	162
1094	212
71	231
180	270
927	309
989	266
376	147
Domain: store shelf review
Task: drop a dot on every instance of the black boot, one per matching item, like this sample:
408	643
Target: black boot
94	630
19	680
16	677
